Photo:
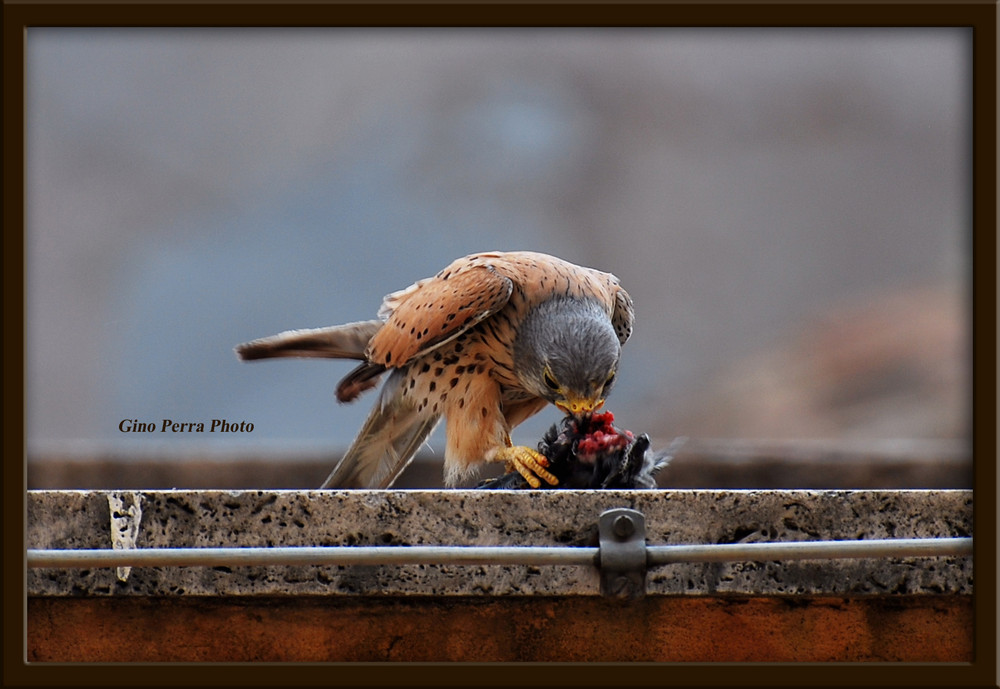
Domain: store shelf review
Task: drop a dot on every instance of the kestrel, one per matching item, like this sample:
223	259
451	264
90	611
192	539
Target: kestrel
485	344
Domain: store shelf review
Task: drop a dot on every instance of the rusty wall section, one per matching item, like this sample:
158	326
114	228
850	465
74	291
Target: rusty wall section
518	629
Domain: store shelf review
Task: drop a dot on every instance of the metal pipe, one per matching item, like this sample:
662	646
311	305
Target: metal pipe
809	550
314	555
656	555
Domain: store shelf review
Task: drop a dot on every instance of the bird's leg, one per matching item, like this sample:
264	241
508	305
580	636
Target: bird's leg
527	462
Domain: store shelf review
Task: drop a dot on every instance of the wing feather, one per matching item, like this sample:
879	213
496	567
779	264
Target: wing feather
386	444
437	310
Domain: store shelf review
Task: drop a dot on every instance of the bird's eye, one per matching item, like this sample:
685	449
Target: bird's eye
609	381
550	382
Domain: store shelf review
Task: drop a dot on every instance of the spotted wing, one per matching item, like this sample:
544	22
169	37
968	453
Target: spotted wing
623	315
437	310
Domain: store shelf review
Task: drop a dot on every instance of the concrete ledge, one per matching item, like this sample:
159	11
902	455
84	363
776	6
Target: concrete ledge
82	519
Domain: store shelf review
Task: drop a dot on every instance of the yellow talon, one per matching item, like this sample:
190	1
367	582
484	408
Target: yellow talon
527	462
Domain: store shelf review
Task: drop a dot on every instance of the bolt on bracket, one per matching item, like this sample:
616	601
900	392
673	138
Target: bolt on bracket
622	553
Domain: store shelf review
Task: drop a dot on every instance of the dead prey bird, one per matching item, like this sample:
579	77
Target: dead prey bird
590	452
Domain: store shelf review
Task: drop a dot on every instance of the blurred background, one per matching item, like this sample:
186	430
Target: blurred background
789	209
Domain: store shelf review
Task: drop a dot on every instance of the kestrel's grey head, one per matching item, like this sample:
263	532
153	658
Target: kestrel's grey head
567	352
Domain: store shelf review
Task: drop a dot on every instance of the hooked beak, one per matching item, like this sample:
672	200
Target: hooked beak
578	406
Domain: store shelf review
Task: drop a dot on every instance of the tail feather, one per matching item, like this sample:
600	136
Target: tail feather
386	444
394	430
362	378
347	341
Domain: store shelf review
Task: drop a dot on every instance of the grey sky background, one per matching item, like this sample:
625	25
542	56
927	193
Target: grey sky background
190	189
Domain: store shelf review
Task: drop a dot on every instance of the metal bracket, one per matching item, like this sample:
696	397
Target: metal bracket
622	553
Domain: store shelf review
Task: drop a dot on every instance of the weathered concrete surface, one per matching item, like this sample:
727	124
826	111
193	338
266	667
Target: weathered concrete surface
81	519
501	629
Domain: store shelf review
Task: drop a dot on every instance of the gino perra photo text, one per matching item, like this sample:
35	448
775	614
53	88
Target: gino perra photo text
170	426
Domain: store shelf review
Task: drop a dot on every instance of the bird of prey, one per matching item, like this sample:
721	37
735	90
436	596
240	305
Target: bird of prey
484	344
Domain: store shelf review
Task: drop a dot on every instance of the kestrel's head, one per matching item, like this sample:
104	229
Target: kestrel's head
567	352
